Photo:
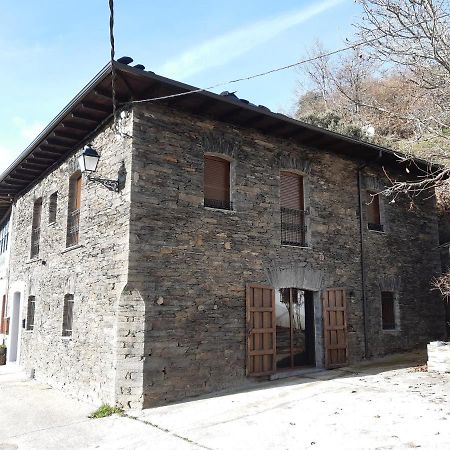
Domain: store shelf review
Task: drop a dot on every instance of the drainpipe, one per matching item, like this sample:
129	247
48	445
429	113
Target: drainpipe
362	250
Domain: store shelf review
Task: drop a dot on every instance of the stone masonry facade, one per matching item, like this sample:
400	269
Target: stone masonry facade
159	280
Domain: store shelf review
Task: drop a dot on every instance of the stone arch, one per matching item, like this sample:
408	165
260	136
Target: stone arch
290	162
296	275
390	283
218	144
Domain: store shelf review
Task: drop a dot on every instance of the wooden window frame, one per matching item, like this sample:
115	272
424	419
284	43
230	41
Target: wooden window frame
389	325
3	316
36	228
53	208
31	312
4	237
293	220
211	199
73	210
373	209
67	325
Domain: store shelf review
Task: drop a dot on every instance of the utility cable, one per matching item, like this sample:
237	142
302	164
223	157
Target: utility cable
289	66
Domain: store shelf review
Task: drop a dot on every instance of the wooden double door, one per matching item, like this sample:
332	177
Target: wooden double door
281	331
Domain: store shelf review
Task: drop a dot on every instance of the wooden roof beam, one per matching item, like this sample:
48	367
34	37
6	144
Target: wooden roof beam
89	106
79	116
77	126
108	96
56	145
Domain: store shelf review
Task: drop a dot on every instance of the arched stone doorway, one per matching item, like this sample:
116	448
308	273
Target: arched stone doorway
298	310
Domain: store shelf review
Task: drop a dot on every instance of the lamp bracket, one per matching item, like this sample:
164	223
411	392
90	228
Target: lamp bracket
112	185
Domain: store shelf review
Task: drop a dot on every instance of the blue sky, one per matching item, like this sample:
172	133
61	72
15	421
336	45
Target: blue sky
50	49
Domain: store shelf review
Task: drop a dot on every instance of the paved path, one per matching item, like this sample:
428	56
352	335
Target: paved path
374	406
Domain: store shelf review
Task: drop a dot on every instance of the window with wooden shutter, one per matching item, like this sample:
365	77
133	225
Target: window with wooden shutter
36	228
373	212
30	312
2	316
73	212
388	310
292	205
52	207
216	183
67	315
4	235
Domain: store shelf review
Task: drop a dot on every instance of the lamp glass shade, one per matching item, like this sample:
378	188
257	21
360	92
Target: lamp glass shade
88	160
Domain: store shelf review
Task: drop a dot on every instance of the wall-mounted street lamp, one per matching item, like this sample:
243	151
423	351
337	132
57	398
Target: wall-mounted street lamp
88	162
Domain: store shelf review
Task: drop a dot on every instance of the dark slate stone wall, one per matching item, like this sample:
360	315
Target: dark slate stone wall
95	272
191	264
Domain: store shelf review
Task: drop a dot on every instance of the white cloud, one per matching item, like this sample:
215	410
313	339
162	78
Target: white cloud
222	49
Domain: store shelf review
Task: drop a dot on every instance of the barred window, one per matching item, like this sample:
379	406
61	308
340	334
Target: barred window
217	183
52	207
73	210
292	205
67	315
36	228
30	312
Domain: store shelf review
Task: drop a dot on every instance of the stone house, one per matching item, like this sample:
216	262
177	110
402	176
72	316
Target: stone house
216	242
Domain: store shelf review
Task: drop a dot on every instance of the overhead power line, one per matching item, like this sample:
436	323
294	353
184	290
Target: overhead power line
279	69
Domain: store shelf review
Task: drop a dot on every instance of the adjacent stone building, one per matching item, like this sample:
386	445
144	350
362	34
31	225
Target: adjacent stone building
236	243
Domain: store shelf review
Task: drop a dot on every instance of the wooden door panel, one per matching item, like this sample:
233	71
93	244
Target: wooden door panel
261	328
335	328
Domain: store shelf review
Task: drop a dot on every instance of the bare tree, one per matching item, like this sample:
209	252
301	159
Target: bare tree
413	36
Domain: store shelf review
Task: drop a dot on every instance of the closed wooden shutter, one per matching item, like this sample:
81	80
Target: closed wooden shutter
52	207
73	212
2	316
373	208
30	312
67	315
77	192
335	328
36	228
291	191
261	329
217	182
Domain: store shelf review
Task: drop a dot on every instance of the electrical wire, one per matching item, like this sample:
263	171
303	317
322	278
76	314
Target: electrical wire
279	69
113	71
